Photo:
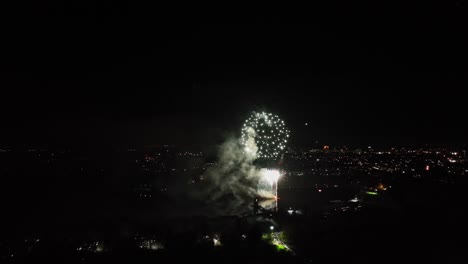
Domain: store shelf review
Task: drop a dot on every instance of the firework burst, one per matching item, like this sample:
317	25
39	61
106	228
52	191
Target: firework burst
264	134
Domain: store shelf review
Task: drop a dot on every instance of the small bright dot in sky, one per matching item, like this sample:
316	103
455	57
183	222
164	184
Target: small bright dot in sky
306	123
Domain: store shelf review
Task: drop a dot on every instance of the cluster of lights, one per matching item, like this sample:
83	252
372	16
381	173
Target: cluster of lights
95	247
151	244
270	134
216	241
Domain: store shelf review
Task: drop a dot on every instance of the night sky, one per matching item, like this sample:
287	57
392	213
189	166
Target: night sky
122	75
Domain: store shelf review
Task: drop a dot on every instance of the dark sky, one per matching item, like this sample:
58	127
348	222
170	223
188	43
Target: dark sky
121	74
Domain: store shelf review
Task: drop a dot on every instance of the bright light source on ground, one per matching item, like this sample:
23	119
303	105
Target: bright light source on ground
271	176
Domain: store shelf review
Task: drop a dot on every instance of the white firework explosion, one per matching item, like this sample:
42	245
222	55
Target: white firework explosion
265	134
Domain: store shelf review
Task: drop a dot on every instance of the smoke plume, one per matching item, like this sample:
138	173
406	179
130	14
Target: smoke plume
232	183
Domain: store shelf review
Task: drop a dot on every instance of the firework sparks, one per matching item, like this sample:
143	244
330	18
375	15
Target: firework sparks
265	134
269	181
271	176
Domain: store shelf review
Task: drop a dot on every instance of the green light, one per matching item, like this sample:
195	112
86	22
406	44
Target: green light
371	193
280	247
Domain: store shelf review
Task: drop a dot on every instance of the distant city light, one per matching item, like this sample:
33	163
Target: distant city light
151	244
381	187
95	247
216	242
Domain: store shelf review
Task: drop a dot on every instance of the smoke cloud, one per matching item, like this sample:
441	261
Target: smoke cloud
232	184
